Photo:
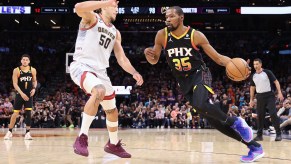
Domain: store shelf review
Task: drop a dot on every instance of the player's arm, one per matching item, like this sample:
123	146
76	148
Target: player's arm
34	82
85	10
273	78
252	92
15	76
201	40
153	54
123	60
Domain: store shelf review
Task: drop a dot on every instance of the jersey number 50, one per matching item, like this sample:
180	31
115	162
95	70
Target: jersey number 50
104	41
182	64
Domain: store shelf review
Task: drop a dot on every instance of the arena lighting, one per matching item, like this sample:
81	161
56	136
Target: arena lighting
53	22
36	22
266	10
56	27
16	21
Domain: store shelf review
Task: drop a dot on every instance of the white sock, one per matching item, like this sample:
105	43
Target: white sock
86	122
113	137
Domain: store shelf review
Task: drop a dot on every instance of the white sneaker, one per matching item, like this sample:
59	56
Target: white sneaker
28	136
272	132
272	127
8	136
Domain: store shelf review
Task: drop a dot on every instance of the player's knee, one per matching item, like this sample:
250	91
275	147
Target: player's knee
15	113
98	91
111	112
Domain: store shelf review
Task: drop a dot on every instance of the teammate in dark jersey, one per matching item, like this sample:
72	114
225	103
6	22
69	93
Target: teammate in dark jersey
181	46
24	82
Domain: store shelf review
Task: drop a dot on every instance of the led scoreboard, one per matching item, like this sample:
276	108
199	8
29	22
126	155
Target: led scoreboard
52	10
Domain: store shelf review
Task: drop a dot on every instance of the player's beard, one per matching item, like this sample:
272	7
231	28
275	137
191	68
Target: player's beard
171	27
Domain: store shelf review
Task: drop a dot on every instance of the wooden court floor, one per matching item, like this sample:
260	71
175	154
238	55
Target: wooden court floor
147	146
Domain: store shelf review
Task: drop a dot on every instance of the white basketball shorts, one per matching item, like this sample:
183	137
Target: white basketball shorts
86	77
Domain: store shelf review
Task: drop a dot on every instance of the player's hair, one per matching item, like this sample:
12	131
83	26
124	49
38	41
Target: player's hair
259	60
25	55
178	10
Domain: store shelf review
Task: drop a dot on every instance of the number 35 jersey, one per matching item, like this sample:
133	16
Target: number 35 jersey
182	55
95	44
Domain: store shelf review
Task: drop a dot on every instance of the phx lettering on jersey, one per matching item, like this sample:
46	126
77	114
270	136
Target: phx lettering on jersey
182	51
103	30
27	78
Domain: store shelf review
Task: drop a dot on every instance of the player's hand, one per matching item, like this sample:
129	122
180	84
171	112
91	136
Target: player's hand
252	103
24	96
280	96
32	92
112	3
138	78
150	52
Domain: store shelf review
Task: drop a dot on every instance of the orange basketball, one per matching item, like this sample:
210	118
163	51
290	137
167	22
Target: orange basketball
237	69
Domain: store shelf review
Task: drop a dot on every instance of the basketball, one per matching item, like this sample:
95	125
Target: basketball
237	69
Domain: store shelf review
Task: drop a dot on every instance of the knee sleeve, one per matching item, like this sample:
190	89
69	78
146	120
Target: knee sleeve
28	117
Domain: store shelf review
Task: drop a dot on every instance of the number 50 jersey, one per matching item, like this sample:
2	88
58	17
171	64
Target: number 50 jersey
95	44
182	55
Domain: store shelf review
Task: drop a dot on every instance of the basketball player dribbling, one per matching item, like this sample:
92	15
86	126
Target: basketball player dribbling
97	37
181	46
24	82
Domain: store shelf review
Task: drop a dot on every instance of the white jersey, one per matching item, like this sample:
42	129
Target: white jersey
95	44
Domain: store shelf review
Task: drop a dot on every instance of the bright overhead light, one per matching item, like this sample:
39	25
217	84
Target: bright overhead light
17	21
36	22
53	22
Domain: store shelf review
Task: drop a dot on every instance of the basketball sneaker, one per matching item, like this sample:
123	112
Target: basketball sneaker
81	145
116	150
8	136
28	136
243	129
254	154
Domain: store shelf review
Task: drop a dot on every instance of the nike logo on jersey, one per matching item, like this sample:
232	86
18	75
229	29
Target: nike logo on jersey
179	52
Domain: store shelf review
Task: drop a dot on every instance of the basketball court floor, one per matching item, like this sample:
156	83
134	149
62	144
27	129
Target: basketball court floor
147	146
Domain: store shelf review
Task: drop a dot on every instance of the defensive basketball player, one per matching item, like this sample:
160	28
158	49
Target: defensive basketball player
24	82
181	46
97	37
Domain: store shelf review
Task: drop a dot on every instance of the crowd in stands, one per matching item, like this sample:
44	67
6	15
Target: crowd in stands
158	103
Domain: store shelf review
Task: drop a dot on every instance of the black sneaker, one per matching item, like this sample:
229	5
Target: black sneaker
258	138
278	137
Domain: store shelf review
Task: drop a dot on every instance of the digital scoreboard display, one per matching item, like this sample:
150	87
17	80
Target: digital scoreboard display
52	10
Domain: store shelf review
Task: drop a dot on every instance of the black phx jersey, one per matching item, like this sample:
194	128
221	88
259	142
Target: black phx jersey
184	59
25	81
25	84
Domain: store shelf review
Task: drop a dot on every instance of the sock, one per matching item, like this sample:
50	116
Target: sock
86	122
230	121
27	130
113	137
251	143
10	130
